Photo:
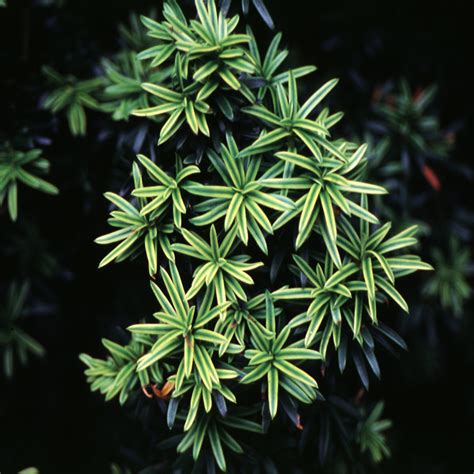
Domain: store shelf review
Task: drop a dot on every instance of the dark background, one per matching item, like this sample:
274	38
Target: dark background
49	418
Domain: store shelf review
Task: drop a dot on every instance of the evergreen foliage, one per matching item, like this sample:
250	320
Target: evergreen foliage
242	162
